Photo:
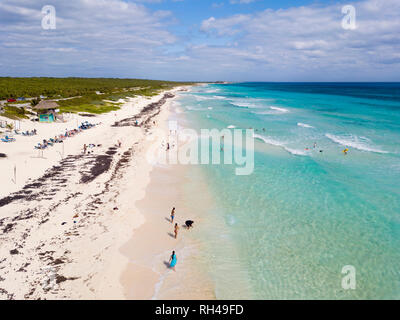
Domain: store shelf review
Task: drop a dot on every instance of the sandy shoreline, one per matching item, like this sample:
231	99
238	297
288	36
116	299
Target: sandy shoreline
66	218
149	260
147	276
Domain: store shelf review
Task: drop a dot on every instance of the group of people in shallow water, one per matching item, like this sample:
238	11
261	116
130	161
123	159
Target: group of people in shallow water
189	224
315	146
307	149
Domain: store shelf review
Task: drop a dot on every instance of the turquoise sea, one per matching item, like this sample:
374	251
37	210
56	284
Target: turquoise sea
287	230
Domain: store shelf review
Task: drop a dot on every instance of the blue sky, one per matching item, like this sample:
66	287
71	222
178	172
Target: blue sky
236	40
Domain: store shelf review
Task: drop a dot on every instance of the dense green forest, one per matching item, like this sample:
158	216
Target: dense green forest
91	95
71	87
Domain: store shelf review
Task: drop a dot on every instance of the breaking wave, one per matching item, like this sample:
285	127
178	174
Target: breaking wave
360	143
276	143
304	125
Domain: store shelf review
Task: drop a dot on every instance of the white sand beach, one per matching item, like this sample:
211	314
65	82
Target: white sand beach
67	218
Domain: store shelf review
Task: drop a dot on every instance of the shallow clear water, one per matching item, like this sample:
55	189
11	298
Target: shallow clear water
286	231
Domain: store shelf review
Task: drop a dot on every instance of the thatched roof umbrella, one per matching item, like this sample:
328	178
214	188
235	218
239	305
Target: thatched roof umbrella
46	105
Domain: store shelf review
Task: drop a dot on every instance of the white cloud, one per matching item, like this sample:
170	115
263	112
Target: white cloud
126	39
310	40
109	34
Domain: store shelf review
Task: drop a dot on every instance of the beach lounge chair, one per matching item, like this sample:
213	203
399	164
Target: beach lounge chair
7	139
40	146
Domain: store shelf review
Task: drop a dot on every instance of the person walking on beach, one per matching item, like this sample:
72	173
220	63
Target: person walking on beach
84	148
172	214
173	261
119	144
176	229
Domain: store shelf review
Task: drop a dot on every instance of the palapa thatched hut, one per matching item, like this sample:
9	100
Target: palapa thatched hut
46	110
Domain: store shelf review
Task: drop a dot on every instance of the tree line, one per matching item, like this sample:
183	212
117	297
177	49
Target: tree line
72	87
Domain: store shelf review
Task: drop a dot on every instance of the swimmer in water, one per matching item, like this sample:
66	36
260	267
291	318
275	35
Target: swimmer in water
345	151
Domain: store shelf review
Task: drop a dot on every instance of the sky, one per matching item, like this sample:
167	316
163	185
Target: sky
202	40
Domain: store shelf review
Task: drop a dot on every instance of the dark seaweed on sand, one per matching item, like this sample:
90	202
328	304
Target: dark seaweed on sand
147	113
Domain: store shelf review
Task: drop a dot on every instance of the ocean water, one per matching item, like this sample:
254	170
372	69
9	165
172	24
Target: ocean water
287	230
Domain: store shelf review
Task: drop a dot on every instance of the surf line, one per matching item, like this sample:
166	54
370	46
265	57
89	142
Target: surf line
183	311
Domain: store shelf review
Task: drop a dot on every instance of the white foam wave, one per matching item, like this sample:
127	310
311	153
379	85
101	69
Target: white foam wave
204	98
296	151
273	142
304	125
244	104
273	110
231	126
212	90
248	102
268	140
283	110
201	98
219	98
355	142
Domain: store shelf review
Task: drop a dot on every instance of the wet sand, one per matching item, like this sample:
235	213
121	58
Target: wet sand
148	275
151	246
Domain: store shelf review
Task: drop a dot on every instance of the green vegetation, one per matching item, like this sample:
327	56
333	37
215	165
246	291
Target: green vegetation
72	87
14	113
86	94
35	102
96	107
